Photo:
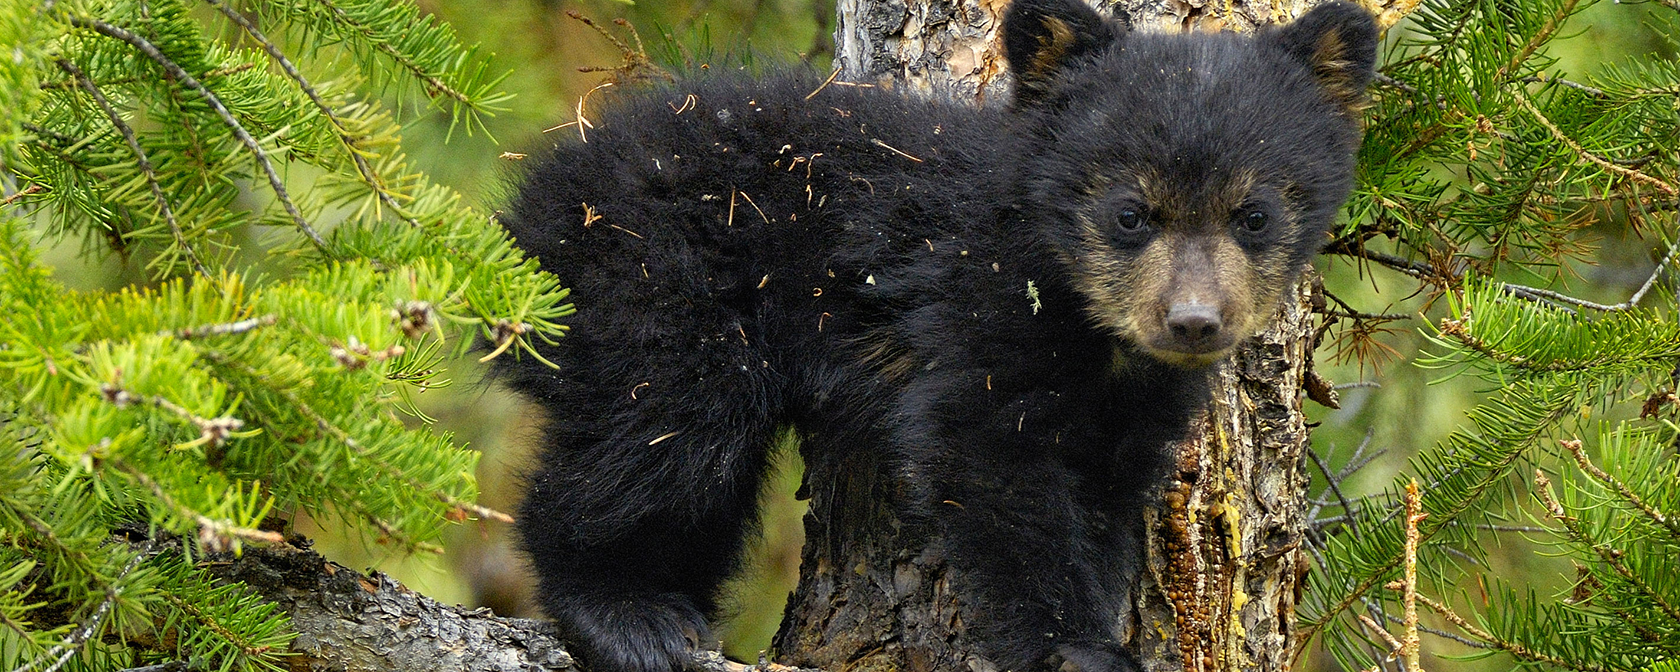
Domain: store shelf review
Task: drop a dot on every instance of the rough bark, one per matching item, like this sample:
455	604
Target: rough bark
951	47
1224	559
348	621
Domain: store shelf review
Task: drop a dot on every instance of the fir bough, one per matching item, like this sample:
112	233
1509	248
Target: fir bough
147	427
1482	164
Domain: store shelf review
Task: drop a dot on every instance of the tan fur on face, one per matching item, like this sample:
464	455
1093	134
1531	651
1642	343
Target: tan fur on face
1194	257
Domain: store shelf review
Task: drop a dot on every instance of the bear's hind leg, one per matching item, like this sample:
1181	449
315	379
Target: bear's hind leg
646	492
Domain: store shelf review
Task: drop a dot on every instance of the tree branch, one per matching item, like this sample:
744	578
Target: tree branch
346	620
143	162
181	75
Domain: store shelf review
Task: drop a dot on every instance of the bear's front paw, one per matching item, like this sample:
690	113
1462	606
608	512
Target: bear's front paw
1092	657
640	634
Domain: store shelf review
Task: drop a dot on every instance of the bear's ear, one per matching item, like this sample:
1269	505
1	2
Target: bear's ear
1041	37
1338	43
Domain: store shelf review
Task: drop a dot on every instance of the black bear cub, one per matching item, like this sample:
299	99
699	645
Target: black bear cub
1014	308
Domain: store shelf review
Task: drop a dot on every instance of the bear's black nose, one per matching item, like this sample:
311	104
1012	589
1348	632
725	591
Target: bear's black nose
1194	324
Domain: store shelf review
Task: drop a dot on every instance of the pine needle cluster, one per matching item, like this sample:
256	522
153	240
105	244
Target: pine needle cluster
1482	167
145	429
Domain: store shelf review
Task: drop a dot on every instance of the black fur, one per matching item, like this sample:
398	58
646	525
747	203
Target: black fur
892	274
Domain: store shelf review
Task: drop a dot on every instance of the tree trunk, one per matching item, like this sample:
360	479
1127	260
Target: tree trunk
1224	560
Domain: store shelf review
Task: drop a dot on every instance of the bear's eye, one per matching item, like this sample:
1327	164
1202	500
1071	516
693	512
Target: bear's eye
1129	219
1253	221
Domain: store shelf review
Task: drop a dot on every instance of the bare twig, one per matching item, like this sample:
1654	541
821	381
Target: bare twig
1531	529
1555	299
1360	459
144	163
1417	270
1592	91
1632	302
171	666
1355	463
179	74
1414	515
1386	80
30	190
1335	488
223	329
1443	634
1394	645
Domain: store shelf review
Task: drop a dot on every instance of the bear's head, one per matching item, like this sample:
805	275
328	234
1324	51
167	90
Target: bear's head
1185	180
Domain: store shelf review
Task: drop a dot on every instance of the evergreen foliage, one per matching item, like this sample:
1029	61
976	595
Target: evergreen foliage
307	280
1482	165
144	428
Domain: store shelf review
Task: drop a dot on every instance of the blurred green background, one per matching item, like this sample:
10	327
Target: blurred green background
544	50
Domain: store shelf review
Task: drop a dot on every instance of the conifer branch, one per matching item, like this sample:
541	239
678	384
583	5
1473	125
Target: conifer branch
1631	497
212	432
1461	333
1509	446
181	75
349	441
213	534
1607	165
211	624
1540	37
65	650
1515	649
386	528
218	72
366	171
432	81
1606	554
144	163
